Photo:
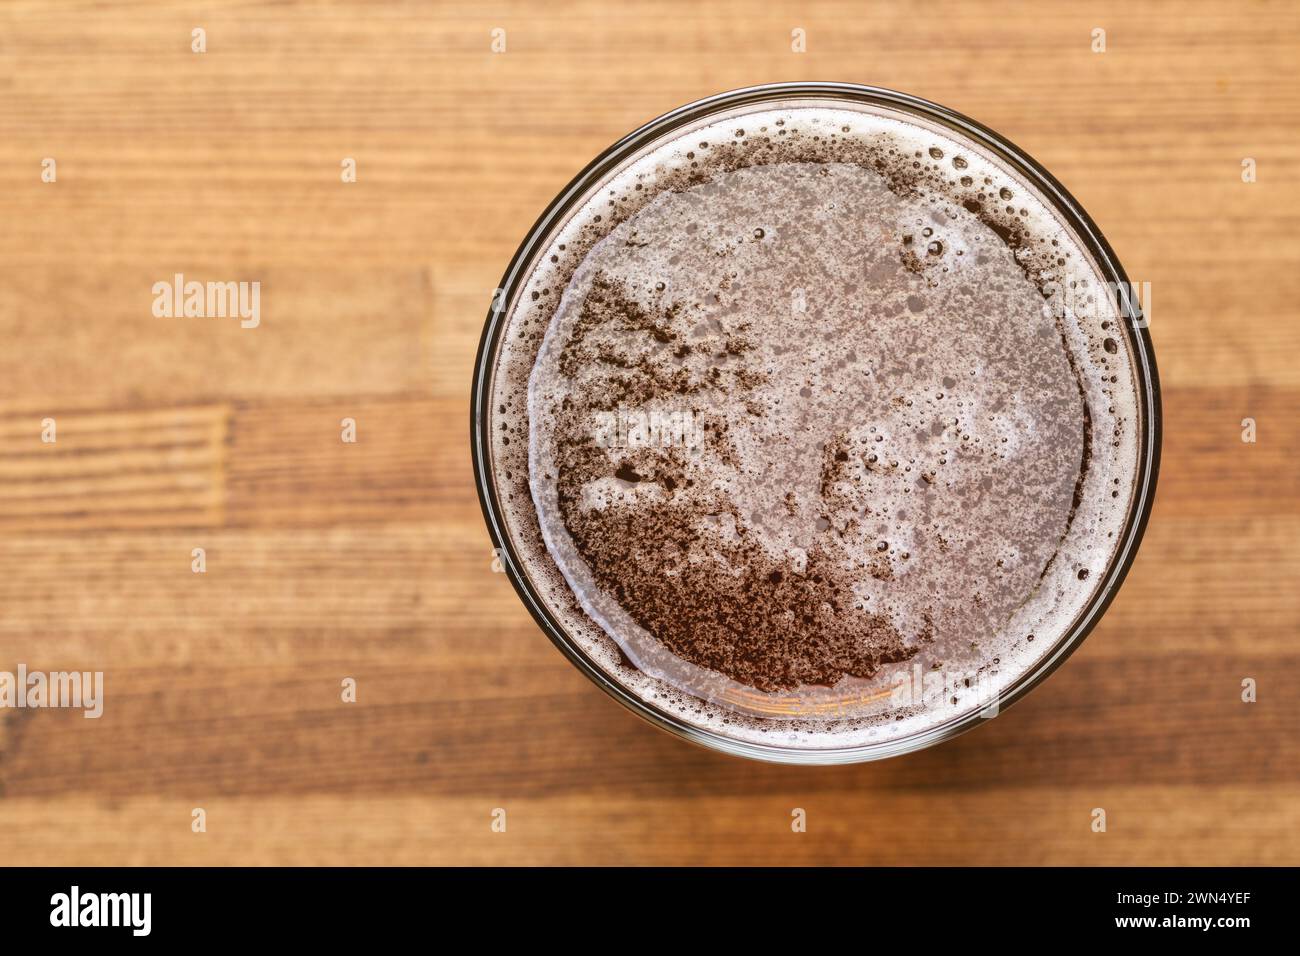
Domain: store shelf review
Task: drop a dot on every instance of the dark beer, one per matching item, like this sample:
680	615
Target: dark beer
814	424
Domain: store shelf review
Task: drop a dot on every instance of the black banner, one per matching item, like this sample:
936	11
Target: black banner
927	906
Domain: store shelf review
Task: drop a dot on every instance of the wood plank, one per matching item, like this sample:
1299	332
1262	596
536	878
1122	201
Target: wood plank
1146	824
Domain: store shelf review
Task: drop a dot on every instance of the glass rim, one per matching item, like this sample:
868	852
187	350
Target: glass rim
1072	214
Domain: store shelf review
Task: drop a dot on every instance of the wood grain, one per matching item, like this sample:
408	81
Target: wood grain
328	560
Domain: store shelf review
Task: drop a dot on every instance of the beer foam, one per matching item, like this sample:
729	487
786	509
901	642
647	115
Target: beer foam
795	433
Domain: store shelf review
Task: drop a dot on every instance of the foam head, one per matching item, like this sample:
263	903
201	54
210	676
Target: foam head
812	425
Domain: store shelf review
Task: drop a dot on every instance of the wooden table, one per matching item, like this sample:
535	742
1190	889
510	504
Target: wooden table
327	560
